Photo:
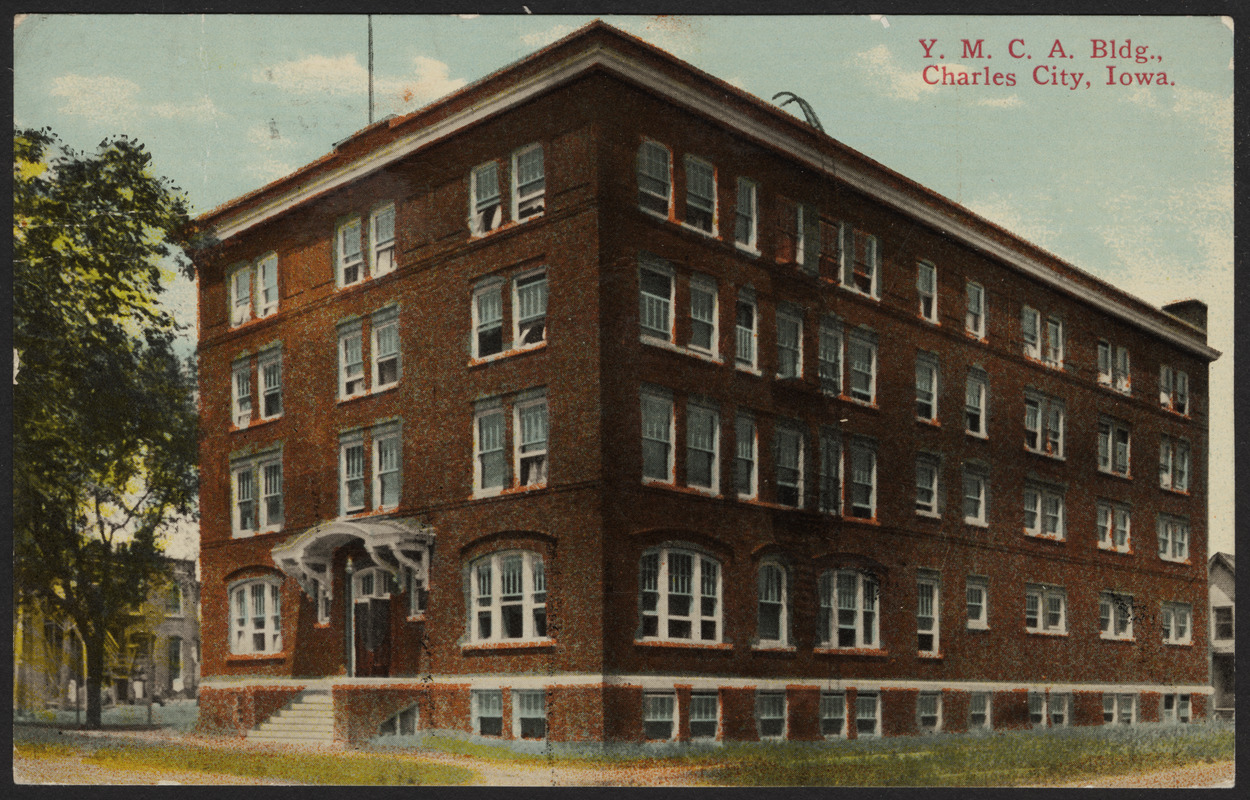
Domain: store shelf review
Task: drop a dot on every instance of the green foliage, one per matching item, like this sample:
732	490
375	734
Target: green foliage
104	419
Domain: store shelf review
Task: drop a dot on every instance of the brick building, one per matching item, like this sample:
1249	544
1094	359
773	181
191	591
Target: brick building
603	401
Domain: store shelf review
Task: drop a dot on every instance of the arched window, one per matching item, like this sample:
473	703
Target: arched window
848	609
256	618
680	596
773	605
509	597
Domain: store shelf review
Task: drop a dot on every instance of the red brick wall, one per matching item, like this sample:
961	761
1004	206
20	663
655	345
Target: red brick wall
238	710
359	711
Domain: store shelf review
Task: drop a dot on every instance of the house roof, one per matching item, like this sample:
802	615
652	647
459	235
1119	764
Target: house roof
600	47
1225	558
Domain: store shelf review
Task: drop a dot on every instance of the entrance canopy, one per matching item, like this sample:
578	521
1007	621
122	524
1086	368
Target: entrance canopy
389	544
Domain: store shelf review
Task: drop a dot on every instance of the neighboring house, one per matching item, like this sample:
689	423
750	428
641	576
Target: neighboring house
603	401
158	653
1223	632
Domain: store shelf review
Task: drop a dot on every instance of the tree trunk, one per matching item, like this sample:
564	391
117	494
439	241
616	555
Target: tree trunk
95	672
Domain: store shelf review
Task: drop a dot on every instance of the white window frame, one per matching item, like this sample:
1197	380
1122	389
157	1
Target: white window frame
926	291
1177	620
749	218
345	260
528	704
854	270
523	327
269	363
976	490
380	322
486	410
1173	536
382	251
486	598
746	339
666	180
1174	389
1048	437
659	708
244	629
833	709
986	701
383	438
693	167
418	594
867	707
265	303
485	210
709	449
830	494
1175	464
766	703
1115	706
269	518
1031	332
705	286
928	481
829	355
860	338
976	396
652	306
699	714
1115	616
746	451
1040	617
773	590
347	478
1114	521
868	450
1059	705
483	704
791	432
862	619
1044	503
244	488
1181	710
538	449
1110	459
240	297
975	311
977	602
928	619
253	475
1216	623
528	200
923	701
700	581
488	293
927	371
241	377
662	434
789	319
1053	352
346	333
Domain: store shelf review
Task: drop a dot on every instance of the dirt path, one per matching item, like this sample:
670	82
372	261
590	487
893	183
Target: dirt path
63	770
1197	776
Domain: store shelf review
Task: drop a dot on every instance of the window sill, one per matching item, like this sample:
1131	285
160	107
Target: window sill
1124	476
976	523
976	336
418	618
257	532
932	423
929	320
712	234
981	628
928	514
982	436
254	657
1177	644
657	215
512	224
1044	454
683	645
256	423
749	370
1118	639
747	249
515	351
1178	492
351	398
798	379
1175	560
851	651
861	520
861	403
509	491
520	644
780	649
854	290
930	656
1056	634
1123	551
702	355
1042	537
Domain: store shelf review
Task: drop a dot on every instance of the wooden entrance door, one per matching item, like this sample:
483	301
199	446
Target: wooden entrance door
372	622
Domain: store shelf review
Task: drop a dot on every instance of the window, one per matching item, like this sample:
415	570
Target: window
382	238
926	387
702	447
256	625
1045	609
700	195
267	285
351	362
1042	343
703	327
832	714
863	479
241	403
529	305
789	457
926	289
174	659
240	295
173	600
529	430
974	316
977	593
861	261
745	463
487	321
485	210
1223	619
655	297
1054	343
386	468
657	437
979	711
491	464
403	723
927	469
830	472
866	714
798	240
829	355
1037	709
351	474
529	183
418	594
669	579
1173	538
1119	708
1043	425
1176	619
773	619
654	179
487	709
531	448
1059	707
848	609
659	715
271	384
975	392
509	597
863	357
1174	389
1113	367
770	714
1113	526
929	712
975	495
386	365
789	342
704	715
1115	615
351	261
322	594
257	494
746	226
1174	464
927	613
1043	512
745	331
1113	446
1175	708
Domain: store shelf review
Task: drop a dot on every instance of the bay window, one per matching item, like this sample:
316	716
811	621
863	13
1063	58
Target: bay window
680	596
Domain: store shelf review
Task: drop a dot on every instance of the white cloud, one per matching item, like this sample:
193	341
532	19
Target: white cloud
267	136
202	109
317	74
1008	213
430	79
270	169
895	81
1010	101
543	38
1213	112
99	98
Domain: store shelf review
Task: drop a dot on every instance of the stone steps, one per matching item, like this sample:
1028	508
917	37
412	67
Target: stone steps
308	719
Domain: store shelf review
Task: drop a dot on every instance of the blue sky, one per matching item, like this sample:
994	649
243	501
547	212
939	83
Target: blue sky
1131	183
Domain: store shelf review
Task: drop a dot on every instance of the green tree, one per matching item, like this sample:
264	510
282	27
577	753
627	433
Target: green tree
104	411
